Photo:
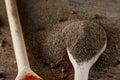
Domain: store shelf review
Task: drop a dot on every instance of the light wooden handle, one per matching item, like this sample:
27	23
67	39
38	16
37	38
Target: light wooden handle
17	36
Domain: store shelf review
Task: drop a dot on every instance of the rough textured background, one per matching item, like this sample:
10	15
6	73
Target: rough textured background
42	19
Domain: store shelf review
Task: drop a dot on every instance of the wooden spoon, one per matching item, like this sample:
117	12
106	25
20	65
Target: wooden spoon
24	70
87	42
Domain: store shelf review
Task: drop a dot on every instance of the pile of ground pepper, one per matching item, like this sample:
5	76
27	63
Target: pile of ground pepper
31	77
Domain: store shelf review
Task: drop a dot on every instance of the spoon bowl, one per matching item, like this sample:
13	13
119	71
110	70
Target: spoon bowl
26	74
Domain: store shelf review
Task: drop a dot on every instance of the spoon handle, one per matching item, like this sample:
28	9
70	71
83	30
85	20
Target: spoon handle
17	35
